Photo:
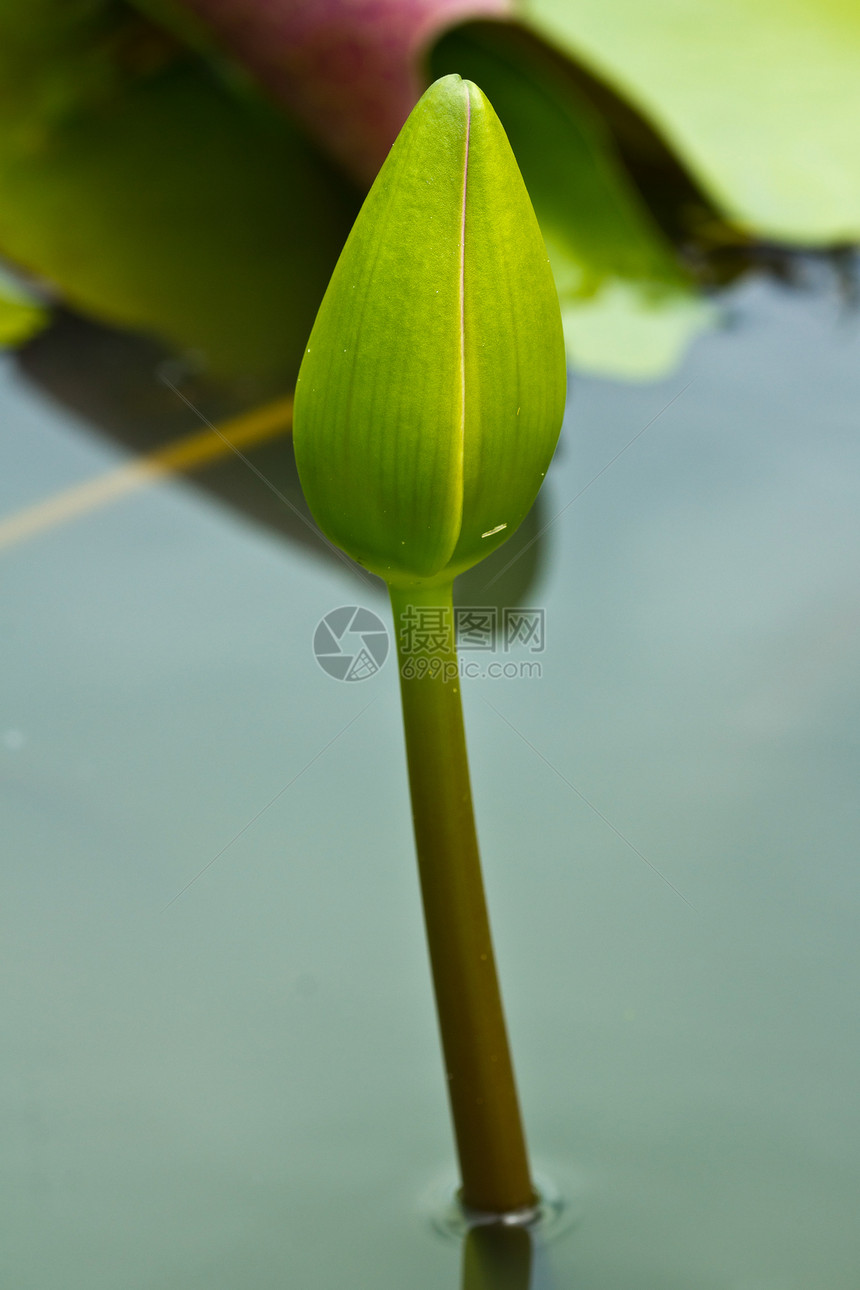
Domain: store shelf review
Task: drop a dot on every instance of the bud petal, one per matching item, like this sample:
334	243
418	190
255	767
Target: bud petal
432	390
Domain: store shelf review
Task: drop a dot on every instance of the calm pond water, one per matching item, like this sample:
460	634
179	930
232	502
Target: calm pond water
220	1062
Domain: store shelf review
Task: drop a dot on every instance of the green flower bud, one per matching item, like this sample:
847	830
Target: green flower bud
431	394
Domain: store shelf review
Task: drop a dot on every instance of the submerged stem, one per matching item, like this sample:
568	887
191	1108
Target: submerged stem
481	1086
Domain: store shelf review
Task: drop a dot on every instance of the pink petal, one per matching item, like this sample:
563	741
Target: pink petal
350	70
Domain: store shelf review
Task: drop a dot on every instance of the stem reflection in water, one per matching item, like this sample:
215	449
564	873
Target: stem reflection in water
497	1256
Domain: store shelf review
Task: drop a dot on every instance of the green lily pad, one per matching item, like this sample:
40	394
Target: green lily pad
629	309
760	98
153	196
21	316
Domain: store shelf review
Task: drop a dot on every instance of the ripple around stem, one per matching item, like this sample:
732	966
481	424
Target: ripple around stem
556	1211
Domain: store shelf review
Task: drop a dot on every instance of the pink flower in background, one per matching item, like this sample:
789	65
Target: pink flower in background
350	70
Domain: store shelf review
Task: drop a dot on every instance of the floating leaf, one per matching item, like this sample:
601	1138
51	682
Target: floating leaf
153	197
761	99
21	316
628	307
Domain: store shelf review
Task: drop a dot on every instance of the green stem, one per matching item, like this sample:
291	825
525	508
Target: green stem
484	1105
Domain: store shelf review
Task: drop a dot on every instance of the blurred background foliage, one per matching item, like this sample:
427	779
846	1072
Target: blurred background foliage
168	168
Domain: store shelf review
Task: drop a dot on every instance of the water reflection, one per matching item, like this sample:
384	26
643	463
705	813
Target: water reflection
497	1257
110	381
713	1062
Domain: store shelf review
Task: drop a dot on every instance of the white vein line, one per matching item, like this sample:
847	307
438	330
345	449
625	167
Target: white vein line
463	299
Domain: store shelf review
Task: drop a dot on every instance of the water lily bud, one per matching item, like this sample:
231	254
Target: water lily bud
431	394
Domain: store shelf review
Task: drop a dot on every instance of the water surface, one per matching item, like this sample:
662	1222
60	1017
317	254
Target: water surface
239	1085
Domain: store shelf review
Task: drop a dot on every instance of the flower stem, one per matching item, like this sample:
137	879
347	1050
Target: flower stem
481	1086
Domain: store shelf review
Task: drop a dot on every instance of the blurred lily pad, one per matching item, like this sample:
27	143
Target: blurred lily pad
760	98
629	307
21	315
153	195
